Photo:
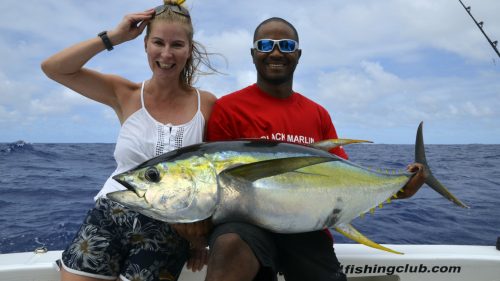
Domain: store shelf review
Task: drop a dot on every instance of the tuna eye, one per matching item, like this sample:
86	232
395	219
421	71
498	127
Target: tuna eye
152	174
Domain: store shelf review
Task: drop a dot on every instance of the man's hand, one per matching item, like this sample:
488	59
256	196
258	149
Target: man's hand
415	182
196	234
193	231
198	257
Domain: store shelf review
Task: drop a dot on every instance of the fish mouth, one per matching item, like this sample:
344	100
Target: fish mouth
121	179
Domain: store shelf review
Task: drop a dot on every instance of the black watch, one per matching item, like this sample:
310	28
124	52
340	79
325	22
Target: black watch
105	40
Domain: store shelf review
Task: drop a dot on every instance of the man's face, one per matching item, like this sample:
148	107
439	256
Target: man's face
275	67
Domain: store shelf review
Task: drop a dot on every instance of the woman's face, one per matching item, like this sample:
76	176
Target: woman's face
168	47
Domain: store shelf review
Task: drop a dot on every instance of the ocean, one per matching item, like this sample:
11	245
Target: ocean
46	190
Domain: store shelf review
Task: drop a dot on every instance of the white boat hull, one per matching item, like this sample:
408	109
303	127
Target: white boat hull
360	263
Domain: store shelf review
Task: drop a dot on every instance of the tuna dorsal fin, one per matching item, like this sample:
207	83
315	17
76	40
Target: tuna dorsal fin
273	167
329	144
350	232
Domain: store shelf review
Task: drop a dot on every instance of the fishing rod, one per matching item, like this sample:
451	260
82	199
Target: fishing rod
480	25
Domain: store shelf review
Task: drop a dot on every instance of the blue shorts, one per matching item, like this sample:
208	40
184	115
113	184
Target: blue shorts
114	240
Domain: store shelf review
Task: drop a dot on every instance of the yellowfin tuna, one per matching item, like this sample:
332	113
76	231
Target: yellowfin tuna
282	187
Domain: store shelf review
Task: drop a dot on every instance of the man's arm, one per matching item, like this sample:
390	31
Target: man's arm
329	132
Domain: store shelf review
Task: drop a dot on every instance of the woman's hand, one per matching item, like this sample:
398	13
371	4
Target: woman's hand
130	27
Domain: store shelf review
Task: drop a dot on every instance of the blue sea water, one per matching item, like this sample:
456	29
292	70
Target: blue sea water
46	190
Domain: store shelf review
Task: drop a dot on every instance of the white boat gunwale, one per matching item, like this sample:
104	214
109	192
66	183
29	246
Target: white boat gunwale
360	263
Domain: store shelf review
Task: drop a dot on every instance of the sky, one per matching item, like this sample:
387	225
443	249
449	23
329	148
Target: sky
378	67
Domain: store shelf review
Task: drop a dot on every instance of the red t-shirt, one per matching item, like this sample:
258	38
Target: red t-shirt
251	113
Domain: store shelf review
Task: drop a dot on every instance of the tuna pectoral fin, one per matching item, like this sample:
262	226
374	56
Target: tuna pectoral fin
329	144
431	180
350	232
269	168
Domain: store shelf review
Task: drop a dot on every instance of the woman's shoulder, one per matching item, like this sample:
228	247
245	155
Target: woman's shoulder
207	101
128	95
207	97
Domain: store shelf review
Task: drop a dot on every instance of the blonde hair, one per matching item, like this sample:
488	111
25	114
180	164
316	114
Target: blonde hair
199	54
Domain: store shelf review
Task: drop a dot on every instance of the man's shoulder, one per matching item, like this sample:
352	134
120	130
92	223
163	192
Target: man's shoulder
303	100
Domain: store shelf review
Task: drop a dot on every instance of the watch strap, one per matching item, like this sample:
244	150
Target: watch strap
105	40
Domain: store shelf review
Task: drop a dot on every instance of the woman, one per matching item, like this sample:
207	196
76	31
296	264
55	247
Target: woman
163	113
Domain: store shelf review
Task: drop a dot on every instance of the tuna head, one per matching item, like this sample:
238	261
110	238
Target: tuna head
179	191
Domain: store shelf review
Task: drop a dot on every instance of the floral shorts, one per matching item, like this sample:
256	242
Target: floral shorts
114	240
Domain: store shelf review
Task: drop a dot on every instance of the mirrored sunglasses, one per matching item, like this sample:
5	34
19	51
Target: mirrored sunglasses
284	45
174	8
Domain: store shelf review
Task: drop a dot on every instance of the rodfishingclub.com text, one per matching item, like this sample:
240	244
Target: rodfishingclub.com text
394	269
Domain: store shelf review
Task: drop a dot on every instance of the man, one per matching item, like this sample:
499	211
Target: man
271	109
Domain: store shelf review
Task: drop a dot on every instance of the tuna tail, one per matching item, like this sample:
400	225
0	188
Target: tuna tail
431	180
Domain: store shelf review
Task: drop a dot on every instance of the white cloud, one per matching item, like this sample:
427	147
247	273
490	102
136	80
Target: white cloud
358	88
58	102
370	63
368	95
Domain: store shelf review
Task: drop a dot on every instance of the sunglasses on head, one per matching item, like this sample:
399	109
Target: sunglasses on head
174	8
284	45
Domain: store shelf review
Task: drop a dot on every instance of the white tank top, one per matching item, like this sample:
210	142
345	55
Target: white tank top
141	138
